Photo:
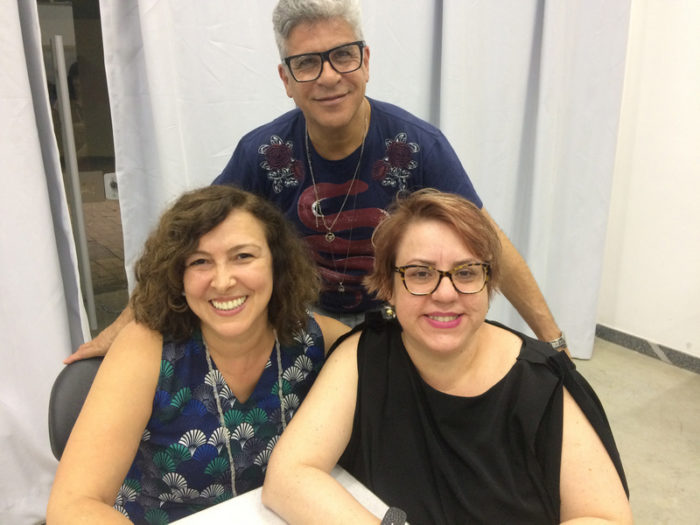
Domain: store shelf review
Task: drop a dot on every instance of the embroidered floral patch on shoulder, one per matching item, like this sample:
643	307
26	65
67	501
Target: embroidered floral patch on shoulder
394	169
282	168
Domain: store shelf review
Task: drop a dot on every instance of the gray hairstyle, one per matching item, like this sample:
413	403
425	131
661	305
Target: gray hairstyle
290	13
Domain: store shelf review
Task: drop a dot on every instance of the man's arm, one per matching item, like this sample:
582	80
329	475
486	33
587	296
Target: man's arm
100	344
518	285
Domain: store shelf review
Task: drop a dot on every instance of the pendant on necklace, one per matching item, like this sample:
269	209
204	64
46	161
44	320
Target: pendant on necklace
330	236
341	288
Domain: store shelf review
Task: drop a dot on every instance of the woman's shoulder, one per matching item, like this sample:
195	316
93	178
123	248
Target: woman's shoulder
532	350
331	330
378	337
137	341
132	362
139	331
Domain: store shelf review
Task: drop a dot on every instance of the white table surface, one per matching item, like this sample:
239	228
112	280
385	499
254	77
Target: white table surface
248	507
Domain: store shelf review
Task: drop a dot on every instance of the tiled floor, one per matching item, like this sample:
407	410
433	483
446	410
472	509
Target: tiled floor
654	411
653	407
106	250
105	245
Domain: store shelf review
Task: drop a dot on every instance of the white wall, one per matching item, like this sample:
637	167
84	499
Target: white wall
651	277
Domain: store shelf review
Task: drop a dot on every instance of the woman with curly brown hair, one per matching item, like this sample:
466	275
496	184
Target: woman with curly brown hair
194	393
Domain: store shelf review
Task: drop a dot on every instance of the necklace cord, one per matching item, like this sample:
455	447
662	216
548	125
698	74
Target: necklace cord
220	411
329	229
318	211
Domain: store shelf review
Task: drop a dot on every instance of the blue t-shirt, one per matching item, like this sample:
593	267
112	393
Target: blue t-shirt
182	464
401	153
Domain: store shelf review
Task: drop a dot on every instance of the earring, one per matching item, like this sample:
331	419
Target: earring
388	312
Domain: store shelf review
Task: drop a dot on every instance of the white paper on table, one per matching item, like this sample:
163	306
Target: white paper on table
248	507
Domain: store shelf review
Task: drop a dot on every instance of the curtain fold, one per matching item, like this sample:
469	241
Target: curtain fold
185	82
41	314
530	98
528	93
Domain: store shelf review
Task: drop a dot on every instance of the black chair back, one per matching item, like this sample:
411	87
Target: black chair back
67	397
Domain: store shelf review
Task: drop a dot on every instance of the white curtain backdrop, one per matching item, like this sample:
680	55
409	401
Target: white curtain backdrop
527	91
41	314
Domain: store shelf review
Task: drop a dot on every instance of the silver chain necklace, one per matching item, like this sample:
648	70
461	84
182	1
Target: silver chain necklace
318	212
222	422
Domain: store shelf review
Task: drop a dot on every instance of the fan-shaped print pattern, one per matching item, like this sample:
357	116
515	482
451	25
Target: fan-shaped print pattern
179	452
205	453
156	517
243	432
166	369
175	481
126	494
227	396
181	398
291	402
225	496
193	439
294	375
271	444
256	416
194	408
214	378
304	338
213	491
233	418
305	363
217	466
254	446
182	458
162	399
218	438
133	483
188	494
263	458
287	388
164	461
173	496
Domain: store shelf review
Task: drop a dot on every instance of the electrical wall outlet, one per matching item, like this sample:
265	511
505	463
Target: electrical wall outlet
111	188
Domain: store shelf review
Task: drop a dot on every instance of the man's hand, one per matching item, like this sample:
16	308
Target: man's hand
97	347
100	344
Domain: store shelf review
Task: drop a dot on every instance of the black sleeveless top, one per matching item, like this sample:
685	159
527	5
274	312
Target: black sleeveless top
492	458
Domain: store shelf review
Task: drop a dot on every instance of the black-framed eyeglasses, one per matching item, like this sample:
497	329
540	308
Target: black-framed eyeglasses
309	66
424	280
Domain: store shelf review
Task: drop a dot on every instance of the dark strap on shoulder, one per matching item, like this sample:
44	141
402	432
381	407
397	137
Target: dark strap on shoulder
373	319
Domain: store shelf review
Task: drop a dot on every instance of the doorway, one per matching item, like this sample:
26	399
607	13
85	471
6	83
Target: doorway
78	23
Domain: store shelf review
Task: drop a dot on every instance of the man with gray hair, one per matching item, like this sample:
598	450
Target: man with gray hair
335	163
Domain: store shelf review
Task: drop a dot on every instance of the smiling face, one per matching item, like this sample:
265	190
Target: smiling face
334	100
444	322
228	279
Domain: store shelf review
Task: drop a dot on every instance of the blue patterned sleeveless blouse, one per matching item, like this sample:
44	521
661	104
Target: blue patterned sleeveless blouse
182	465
